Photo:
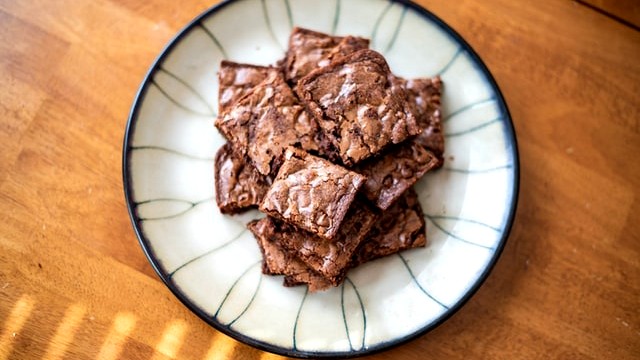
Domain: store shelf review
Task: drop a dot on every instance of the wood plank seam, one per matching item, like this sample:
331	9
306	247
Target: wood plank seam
608	15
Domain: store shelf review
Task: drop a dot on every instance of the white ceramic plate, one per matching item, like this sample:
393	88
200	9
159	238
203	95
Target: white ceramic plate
212	263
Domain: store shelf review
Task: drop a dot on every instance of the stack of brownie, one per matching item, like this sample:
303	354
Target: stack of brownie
328	143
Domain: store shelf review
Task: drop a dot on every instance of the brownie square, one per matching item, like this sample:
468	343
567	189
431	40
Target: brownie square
312	193
390	174
264	122
401	227
426	93
331	259
279	261
236	80
359	105
239	186
310	49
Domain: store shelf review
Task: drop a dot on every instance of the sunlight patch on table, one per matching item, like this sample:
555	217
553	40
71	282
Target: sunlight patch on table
122	326
222	347
14	323
66	331
171	340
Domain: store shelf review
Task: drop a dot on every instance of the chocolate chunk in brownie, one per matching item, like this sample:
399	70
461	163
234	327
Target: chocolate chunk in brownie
239	186
263	123
401	227
359	105
426	93
390	174
309	50
236	80
312	193
278	261
329	258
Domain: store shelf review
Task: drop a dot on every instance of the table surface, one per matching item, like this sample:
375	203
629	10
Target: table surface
74	282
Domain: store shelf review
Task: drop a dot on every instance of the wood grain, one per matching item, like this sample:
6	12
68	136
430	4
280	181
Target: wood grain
75	284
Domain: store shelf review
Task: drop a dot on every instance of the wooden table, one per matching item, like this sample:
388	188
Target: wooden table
74	282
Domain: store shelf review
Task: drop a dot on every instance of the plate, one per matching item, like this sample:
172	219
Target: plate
212	263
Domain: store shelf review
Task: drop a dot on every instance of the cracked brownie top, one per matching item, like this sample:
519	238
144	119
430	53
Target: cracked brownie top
239	186
359	105
236	80
309	50
263	123
426	93
401	227
392	173
311	193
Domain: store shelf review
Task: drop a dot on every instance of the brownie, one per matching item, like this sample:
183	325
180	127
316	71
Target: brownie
239	186
264	122
392	173
311	193
330	259
401	227
310	49
426	93
278	261
236	80
359	105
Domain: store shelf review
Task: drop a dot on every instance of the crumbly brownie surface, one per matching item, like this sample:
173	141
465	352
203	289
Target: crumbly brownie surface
392	173
239	186
306	276
312	193
401	227
426	93
236	80
331	259
358	105
309	50
263	123
278	261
